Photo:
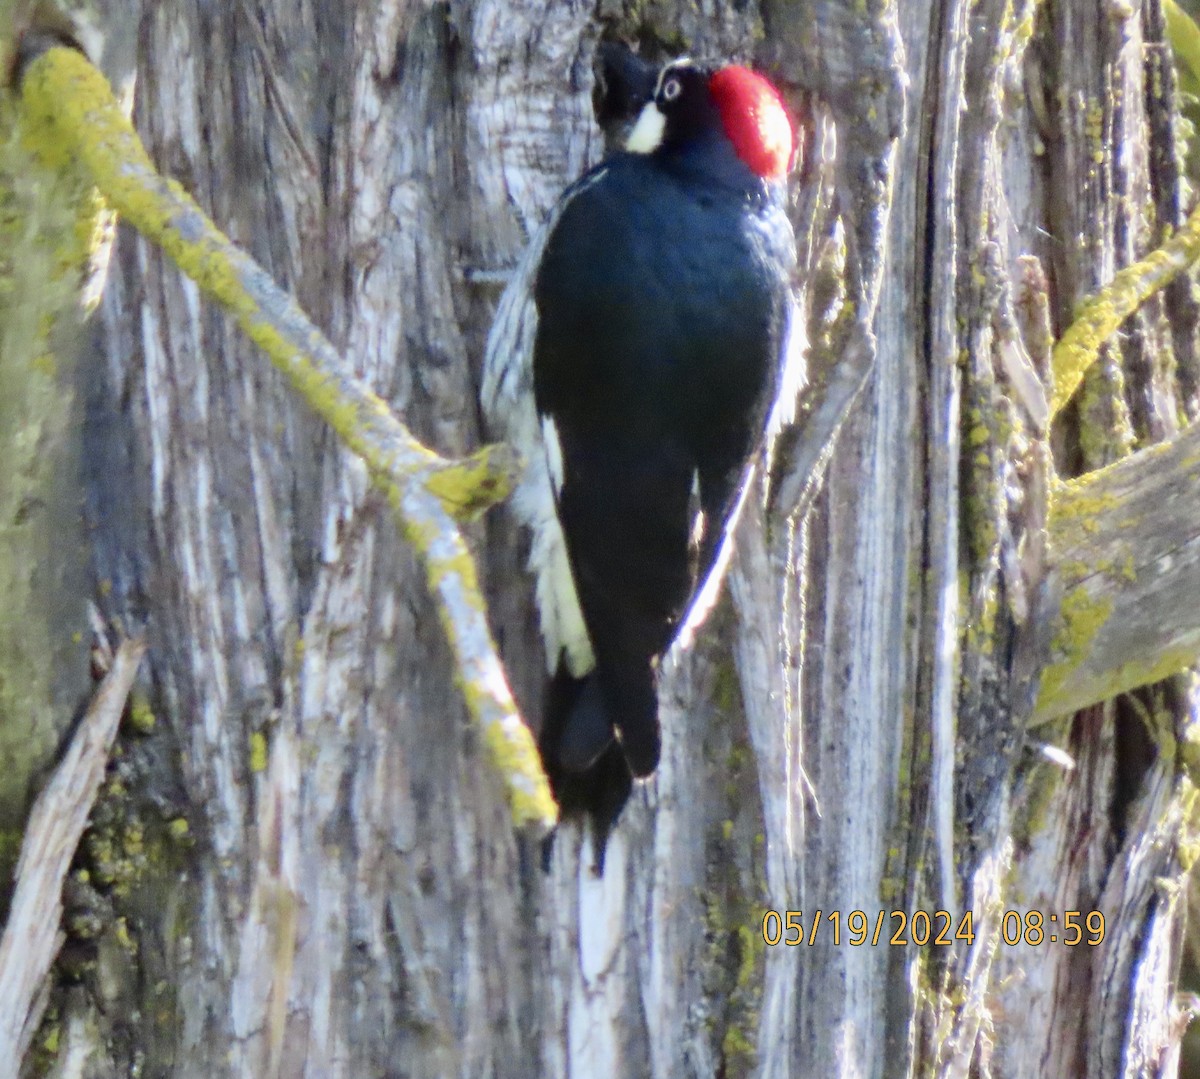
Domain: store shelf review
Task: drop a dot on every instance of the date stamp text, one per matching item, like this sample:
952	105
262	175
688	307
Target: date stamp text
900	928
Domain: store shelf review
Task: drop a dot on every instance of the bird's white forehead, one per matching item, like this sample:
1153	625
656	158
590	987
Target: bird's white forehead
670	69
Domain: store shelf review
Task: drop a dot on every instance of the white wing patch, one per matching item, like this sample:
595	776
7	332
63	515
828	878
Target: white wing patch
792	377
553	448
793	373
710	588
507	397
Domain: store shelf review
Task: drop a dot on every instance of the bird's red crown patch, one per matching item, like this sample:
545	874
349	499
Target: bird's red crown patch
755	120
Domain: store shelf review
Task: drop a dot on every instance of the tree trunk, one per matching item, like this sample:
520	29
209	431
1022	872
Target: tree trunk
302	863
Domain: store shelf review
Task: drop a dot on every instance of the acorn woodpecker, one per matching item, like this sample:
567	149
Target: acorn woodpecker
638	359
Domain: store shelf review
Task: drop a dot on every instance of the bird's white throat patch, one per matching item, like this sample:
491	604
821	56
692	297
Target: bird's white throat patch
647	133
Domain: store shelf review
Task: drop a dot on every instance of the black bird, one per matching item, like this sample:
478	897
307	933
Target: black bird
637	360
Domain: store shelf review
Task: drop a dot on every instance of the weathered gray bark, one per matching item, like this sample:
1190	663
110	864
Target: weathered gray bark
848	734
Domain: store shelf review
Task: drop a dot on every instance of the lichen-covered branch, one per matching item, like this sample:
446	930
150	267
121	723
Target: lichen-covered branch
1123	573
1101	315
60	814
71	116
70	119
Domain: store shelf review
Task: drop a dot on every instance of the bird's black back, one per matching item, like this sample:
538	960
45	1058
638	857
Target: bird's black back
662	296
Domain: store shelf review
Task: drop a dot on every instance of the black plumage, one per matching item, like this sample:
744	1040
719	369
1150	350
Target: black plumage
662	305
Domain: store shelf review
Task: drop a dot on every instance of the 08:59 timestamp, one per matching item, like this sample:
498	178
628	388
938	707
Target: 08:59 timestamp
929	927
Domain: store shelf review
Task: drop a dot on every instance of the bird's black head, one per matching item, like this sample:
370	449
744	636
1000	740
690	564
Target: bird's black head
623	84
682	108
693	101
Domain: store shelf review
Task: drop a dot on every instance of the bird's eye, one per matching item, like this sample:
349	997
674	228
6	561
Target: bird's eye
671	89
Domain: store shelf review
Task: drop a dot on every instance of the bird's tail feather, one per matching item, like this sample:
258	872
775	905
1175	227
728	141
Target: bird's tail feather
585	762
585	729
600	794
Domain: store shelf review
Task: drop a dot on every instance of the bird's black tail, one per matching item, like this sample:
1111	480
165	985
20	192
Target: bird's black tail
590	769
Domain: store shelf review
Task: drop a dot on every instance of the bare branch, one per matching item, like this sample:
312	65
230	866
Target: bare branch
60	814
72	120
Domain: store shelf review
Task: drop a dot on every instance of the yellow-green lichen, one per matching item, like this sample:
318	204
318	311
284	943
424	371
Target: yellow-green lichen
476	482
1081	618
258	751
1105	429
978	433
735	960
1189	833
511	748
48	240
141	715
119	846
736	1045
980	628
1078	505
84	245
123	938
1093	130
460	565
1189	743
1145	671
1099	317
1184	37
